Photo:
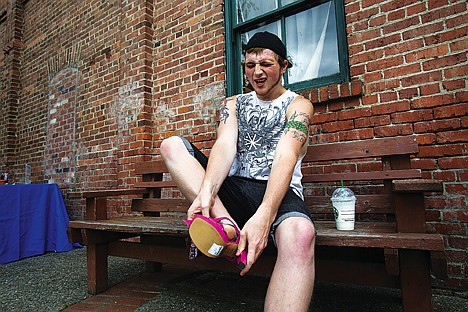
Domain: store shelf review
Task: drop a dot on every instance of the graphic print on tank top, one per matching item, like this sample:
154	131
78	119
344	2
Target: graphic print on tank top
261	124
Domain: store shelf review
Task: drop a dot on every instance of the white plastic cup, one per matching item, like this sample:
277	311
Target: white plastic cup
344	208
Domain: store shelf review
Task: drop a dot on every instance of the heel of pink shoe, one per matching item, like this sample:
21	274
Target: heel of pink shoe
242	260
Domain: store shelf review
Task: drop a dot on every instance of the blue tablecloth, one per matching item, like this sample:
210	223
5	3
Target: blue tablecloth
33	220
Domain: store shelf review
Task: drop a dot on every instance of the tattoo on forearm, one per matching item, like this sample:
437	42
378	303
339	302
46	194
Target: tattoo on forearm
299	126
224	112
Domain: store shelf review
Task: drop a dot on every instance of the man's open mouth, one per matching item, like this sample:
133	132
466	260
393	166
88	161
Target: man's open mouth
260	82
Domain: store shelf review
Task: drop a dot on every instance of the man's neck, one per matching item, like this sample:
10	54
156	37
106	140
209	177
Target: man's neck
273	94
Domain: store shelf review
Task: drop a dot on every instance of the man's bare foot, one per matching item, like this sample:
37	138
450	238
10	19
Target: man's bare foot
229	229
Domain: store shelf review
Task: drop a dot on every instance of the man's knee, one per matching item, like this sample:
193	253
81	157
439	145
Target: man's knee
172	147
296	237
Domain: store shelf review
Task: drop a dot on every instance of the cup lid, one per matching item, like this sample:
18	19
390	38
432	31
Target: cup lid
343	194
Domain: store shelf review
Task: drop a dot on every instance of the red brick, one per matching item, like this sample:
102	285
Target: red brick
358	134
400	25
442	12
437	150
463	175
458	242
448	176
354	113
460	162
424	163
452	136
457	188
426	29
444	61
441	203
412	116
458	45
421	78
429	89
462	216
415	9
325	138
401	71
338	126
393	130
390	108
437	125
322	118
432	101
408	93
461	96
451	111
372	121
454	85
464	122
450	228
390	96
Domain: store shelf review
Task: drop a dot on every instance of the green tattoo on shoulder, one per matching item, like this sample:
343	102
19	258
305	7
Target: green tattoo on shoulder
301	125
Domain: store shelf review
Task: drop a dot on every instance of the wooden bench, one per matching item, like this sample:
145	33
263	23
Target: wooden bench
389	246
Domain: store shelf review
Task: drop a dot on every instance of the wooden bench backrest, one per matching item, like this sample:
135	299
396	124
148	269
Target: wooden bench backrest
367	167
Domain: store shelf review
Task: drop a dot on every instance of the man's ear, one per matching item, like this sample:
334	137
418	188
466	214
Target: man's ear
285	66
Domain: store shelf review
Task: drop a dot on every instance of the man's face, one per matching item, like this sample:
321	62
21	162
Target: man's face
264	74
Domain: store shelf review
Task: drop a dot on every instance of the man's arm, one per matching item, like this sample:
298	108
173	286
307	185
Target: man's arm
291	146
220	160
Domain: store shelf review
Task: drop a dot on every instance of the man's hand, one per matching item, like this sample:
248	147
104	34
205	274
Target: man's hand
201	205
254	238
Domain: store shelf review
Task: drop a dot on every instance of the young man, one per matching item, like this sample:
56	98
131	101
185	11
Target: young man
253	174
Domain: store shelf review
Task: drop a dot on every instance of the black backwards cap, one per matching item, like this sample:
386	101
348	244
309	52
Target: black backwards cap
270	41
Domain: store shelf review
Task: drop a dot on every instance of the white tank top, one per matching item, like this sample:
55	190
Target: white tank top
261	124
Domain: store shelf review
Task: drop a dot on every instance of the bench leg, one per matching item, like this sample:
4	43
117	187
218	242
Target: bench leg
415	279
152	266
97	268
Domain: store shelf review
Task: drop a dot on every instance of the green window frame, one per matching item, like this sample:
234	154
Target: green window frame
280	15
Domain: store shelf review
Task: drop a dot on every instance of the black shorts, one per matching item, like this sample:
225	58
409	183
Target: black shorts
242	196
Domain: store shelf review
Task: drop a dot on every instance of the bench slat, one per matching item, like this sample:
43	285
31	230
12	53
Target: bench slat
418	185
362	149
160	205
362	176
155	184
136	224
365	234
374	204
376	235
152	166
111	193
378	203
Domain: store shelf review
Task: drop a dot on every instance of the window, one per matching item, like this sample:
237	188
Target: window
313	31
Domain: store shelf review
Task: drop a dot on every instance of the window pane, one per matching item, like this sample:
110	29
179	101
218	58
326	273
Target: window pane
311	41
285	2
248	9
274	28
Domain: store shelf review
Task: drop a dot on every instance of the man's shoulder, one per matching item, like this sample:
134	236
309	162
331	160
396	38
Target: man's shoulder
240	97
300	103
301	100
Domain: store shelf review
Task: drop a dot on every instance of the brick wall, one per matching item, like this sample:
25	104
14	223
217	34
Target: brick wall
135	72
189	69
411	58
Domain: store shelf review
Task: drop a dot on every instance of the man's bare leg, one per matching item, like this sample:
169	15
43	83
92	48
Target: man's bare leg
292	281
188	174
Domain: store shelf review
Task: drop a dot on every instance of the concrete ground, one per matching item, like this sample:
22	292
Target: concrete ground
57	282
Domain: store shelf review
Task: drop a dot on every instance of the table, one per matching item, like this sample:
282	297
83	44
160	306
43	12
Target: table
33	220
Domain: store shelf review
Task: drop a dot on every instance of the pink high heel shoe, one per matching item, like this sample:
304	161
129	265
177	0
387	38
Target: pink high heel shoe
210	238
